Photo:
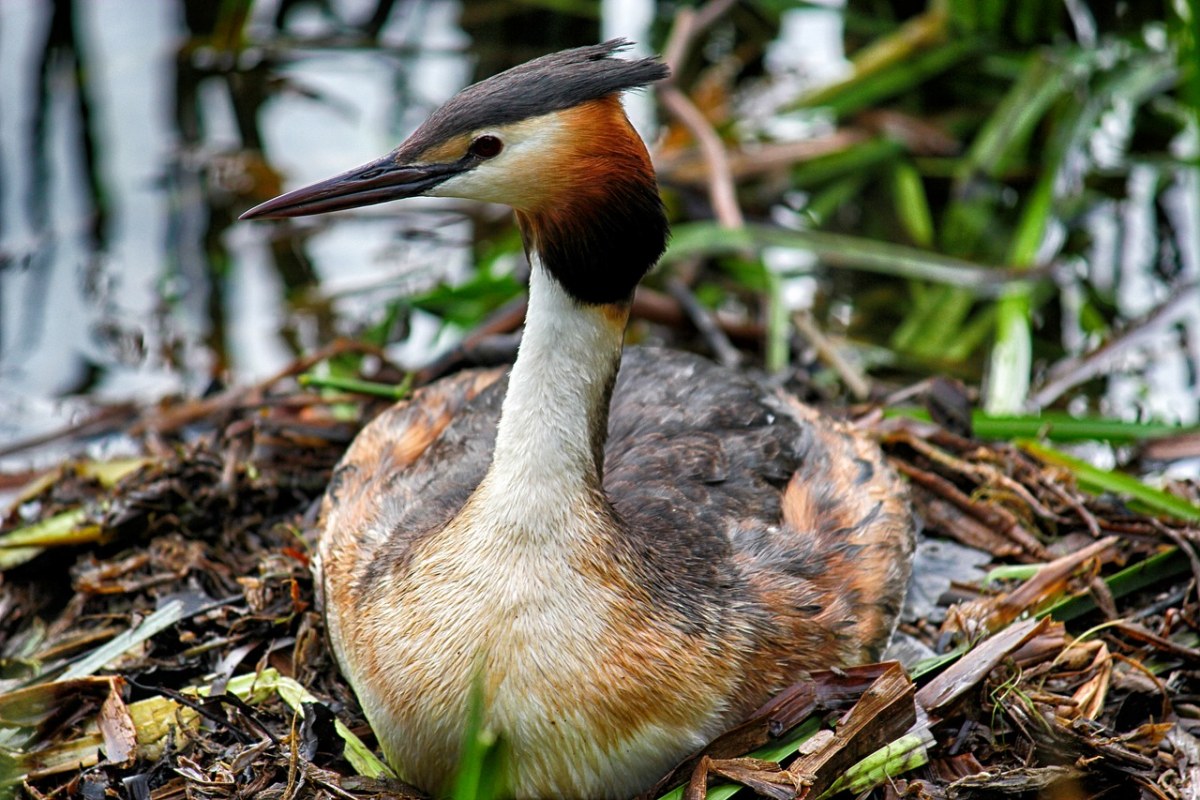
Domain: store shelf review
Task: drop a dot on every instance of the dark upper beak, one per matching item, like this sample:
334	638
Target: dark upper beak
377	182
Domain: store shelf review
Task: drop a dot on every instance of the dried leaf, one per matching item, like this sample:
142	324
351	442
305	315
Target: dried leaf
1017	781
937	696
883	713
116	726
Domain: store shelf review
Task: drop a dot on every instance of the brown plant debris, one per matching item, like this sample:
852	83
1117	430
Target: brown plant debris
159	636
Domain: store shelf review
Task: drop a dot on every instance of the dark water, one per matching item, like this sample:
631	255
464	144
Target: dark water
133	132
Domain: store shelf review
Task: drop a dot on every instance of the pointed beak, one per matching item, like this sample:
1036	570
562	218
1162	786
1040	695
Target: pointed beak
377	182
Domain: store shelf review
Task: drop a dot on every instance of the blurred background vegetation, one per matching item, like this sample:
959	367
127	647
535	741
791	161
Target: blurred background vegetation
864	194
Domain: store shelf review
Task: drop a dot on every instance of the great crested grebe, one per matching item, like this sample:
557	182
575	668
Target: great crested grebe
630	563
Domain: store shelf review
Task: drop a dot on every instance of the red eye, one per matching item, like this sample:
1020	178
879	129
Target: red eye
486	147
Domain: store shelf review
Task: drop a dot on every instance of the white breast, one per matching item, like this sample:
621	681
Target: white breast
542	640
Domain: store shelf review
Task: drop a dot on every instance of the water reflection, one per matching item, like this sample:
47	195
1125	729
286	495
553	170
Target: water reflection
55	204
133	135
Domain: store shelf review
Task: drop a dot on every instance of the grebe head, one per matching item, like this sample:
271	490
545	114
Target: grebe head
548	138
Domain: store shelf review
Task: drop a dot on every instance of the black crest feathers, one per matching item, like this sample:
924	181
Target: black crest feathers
544	85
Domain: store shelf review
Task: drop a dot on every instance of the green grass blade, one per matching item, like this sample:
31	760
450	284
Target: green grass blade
25	544
779	326
912	204
171	612
1158	568
971	335
702	239
1011	365
1058	426
934	324
109	473
934	663
1010	368
1007	387
906	753
894	63
825	202
356	752
1101	480
853	162
1010	572
388	391
480	770
1046	77
776	751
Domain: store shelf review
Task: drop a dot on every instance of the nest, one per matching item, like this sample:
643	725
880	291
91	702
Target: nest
158	635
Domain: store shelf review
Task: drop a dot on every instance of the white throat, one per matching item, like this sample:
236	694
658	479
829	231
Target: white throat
555	412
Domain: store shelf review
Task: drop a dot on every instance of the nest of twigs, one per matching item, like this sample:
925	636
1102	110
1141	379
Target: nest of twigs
158	635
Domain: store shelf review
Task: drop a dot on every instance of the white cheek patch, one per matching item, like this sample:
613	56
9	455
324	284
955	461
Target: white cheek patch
511	177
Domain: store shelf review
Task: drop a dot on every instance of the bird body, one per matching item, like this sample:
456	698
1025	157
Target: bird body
628	553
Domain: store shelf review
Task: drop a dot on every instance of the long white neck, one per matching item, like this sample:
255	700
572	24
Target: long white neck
549	444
